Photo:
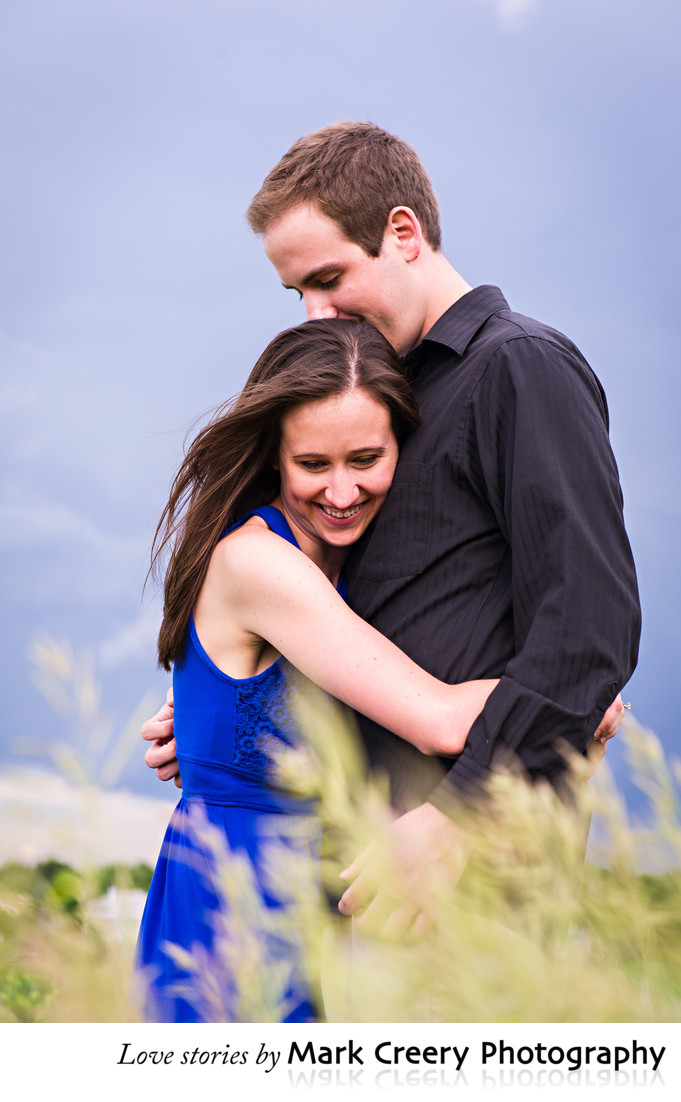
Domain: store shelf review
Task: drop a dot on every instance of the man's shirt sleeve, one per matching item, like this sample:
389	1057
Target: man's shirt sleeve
536	449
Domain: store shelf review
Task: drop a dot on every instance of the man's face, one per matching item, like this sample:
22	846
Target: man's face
337	279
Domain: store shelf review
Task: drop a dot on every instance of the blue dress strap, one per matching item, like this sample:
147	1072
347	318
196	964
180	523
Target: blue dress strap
275	519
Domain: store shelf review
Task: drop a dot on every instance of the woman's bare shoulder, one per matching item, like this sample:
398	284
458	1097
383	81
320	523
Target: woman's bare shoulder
253	553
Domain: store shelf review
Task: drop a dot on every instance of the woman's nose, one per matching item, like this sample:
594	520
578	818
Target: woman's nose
342	490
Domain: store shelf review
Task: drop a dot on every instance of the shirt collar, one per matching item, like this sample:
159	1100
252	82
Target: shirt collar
459	324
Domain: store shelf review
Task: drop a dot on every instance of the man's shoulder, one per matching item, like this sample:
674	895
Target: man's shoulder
506	327
481	350
481	322
526	368
517	324
510	342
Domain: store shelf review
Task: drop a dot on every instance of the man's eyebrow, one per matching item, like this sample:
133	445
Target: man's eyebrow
311	276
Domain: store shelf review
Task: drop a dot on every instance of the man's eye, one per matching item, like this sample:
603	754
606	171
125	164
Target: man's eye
329	284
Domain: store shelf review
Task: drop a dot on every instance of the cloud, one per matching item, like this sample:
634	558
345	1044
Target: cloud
135	642
60	555
43	816
510	12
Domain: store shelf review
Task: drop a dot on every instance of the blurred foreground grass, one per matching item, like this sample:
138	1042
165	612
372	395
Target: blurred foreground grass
531	932
516	941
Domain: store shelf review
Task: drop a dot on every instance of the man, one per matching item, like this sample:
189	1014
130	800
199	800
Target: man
501	550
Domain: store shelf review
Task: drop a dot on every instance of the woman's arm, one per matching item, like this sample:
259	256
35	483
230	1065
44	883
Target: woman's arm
269	590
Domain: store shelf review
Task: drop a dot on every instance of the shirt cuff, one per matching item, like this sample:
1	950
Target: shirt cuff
522	730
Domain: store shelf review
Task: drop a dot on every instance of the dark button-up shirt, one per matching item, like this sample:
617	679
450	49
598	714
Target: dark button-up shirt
501	549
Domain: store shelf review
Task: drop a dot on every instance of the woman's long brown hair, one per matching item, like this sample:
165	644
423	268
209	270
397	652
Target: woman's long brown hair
227	469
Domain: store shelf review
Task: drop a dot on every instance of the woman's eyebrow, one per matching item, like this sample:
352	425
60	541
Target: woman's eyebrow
377	448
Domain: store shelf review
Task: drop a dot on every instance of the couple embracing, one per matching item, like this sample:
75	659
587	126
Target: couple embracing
414	504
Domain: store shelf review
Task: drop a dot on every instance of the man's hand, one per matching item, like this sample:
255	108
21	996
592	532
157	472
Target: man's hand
391	880
161	754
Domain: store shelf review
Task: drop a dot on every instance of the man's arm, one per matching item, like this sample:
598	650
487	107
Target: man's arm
161	753
538	431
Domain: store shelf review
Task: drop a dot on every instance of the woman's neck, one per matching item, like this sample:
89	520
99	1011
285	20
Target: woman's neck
330	560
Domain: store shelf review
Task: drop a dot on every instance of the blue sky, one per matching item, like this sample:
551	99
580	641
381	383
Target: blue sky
133	297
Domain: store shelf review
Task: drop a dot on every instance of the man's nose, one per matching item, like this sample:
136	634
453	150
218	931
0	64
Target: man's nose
318	307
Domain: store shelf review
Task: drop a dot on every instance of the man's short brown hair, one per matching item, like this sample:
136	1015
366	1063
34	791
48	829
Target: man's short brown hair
355	173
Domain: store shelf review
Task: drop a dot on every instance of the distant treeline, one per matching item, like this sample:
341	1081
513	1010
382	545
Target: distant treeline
54	883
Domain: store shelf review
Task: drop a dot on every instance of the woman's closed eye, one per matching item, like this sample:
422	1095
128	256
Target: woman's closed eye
366	460
312	464
361	461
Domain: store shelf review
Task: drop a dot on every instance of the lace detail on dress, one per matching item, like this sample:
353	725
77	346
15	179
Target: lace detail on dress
264	712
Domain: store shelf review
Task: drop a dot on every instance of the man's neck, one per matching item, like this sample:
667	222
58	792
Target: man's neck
444	286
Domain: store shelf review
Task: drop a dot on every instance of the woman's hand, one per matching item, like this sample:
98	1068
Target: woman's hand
612	721
607	729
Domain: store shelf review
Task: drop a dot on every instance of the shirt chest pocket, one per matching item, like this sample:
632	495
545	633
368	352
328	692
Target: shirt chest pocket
398	544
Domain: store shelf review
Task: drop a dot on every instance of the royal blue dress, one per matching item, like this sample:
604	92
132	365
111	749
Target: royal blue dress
219	940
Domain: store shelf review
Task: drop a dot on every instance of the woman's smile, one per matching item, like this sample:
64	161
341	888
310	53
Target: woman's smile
346	514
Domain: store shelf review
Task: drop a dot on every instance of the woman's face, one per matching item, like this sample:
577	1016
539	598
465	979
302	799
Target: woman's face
337	459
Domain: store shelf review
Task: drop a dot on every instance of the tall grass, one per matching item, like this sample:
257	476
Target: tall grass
60	961
528	932
532	931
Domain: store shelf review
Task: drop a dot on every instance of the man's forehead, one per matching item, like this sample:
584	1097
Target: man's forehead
306	240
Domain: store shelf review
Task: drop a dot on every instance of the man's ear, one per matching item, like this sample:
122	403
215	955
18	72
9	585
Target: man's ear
405	231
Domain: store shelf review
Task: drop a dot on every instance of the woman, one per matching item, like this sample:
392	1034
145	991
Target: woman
302	461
